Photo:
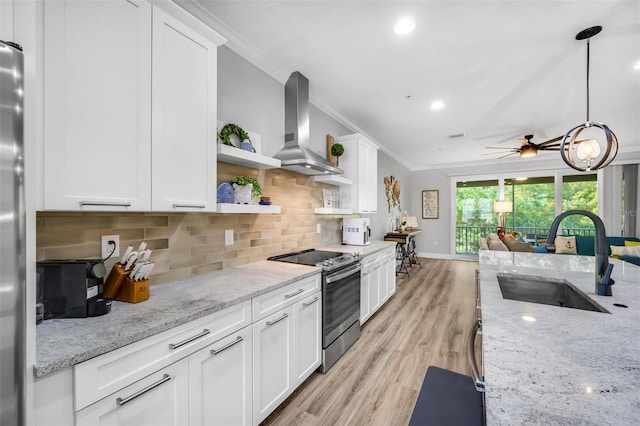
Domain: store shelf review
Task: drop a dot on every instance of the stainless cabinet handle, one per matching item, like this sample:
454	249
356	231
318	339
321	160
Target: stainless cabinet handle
103	204
122	401
270	323
315	299
227	346
189	206
471	356
188	340
289	296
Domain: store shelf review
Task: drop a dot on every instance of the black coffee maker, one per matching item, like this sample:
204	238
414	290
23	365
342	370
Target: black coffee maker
71	288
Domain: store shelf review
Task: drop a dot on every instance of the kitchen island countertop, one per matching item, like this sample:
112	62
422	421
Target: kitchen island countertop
62	343
569	366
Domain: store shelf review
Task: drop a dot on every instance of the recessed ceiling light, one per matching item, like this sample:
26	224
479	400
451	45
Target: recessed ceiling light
404	25
528	318
436	105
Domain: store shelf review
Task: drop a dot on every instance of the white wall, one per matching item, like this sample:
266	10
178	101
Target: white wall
380	222
252	99
435	238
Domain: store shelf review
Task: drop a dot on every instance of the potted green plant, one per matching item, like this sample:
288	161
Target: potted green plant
337	150
245	188
233	129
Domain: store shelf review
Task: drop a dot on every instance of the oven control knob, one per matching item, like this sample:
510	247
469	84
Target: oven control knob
330	261
325	263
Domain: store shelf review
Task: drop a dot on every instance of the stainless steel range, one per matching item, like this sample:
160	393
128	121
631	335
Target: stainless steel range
340	299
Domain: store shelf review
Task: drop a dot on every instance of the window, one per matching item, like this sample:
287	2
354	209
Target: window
534	206
579	192
474	213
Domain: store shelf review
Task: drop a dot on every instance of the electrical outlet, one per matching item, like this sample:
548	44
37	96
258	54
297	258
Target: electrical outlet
107	248
319	228
228	237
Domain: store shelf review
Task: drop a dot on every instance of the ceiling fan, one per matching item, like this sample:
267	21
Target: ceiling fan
528	148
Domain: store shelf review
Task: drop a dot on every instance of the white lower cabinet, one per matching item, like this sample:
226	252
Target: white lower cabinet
373	278
228	368
369	283
287	348
377	282
388	273
220	382
272	353
307	337
162	398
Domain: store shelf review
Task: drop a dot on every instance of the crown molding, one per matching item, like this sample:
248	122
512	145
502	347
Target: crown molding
235	41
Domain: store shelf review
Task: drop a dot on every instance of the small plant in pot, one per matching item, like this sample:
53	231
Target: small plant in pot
337	150
246	188
401	226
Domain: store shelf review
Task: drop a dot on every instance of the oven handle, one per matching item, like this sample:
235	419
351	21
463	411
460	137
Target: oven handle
477	378
344	274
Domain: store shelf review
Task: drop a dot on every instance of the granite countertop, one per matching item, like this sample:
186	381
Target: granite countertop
62	343
569	366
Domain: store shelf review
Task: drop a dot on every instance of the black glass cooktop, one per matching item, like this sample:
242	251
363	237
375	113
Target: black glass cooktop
310	257
329	261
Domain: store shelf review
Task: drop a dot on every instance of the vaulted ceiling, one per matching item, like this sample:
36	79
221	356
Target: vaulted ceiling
503	69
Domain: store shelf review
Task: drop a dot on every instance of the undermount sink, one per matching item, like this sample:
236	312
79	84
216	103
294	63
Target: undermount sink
547	291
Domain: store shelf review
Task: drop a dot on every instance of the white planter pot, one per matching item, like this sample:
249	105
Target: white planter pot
242	193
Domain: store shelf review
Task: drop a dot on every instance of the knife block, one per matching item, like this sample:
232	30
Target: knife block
133	291
114	281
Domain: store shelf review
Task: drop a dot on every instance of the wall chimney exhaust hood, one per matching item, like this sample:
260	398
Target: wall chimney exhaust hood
296	155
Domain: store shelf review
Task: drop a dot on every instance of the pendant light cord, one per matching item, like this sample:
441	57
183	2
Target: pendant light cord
588	44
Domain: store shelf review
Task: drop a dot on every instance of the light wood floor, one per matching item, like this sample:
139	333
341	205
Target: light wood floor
376	382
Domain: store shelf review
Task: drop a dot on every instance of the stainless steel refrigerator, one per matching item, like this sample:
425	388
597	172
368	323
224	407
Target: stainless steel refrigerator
12	237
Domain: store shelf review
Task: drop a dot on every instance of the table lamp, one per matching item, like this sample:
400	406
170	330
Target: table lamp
502	207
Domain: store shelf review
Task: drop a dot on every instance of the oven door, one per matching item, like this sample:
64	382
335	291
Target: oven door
340	302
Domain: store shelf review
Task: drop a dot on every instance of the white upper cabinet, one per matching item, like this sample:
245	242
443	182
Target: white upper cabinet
184	117
129	107
97	105
360	164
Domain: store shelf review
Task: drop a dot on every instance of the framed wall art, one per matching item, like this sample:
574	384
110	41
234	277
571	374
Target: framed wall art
430	204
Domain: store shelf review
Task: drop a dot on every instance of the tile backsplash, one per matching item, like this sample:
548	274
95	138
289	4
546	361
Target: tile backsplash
187	244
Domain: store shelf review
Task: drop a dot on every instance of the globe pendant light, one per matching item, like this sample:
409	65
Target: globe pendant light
588	150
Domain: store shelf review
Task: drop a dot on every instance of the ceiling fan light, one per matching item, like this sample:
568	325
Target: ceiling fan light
528	151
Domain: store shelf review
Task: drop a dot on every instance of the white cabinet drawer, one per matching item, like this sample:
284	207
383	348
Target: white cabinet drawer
370	260
275	300
387	254
101	376
158	399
